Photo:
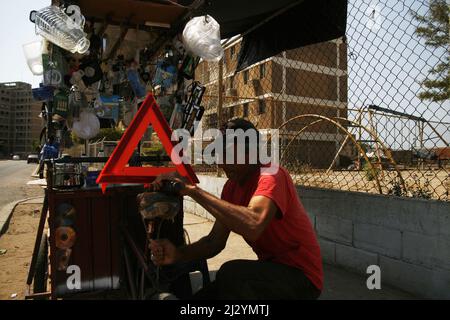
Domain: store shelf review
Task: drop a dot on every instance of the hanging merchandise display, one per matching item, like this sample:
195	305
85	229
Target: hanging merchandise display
54	68
166	75
166	104
187	69
135	82
128	110
88	125
201	37
193	111
77	101
109	108
176	120
61	104
33	55
57	27
77	80
92	72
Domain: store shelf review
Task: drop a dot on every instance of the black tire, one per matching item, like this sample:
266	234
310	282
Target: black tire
41	271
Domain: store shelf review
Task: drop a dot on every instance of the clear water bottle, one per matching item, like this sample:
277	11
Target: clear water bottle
57	27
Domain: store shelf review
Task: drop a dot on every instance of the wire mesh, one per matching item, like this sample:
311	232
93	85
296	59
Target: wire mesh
368	112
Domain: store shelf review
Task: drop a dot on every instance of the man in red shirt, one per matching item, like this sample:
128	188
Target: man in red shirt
264	208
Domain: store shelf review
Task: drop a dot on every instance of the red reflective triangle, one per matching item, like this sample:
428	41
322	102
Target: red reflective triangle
115	170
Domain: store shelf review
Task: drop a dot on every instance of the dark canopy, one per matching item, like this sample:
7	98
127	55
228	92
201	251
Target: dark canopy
281	24
303	23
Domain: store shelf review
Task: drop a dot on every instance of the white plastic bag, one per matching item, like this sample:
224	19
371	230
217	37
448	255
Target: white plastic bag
201	37
87	127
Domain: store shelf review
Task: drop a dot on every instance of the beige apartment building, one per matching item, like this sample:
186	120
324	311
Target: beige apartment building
20	124
307	80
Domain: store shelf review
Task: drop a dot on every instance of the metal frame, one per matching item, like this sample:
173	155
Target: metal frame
334	121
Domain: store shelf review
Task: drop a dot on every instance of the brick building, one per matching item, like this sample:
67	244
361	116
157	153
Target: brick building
20	125
307	80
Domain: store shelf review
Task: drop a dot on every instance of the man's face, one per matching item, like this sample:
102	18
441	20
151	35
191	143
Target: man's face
234	170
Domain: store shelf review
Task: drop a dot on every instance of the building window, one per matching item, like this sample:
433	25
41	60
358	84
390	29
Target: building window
262	70
245	76
261	107
245	110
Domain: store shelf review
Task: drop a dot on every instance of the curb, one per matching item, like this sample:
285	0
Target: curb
6	213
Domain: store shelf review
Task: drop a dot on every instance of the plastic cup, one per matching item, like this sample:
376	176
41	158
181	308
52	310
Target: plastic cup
33	55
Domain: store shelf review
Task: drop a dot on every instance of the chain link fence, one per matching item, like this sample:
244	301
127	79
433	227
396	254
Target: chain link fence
369	112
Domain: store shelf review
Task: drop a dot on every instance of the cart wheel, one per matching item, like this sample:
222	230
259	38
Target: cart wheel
41	273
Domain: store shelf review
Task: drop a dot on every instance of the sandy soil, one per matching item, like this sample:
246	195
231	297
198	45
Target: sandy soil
19	242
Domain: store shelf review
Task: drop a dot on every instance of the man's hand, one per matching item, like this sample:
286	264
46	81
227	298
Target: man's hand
163	252
185	184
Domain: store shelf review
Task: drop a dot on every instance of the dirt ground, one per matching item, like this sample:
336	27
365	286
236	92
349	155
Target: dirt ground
435	183
19	242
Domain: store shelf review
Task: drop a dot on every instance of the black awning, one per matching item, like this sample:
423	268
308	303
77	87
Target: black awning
281	24
237	16
305	22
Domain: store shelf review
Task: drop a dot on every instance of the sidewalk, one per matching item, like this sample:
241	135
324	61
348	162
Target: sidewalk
339	283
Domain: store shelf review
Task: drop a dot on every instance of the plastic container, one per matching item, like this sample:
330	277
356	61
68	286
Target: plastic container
201	37
57	27
87	127
67	175
33	55
91	178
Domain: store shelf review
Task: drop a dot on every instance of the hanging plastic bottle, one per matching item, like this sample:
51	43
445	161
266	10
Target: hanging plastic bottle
57	27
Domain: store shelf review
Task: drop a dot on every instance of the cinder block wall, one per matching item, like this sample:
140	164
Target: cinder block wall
408	238
211	184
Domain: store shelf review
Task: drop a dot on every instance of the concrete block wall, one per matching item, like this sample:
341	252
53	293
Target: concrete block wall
211	184
408	238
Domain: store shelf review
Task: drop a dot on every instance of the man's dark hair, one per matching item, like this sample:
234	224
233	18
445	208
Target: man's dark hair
243	124
239	123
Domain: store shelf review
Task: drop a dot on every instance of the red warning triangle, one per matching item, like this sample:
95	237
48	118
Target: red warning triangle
116	171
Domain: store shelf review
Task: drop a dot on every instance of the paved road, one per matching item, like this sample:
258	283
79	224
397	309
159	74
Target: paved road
13	178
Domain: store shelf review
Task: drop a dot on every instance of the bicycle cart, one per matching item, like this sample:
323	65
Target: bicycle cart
97	244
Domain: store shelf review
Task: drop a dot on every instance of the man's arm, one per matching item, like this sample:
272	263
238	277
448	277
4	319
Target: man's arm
207	247
164	252
248	221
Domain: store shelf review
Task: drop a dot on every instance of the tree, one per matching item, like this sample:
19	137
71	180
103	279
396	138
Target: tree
434	28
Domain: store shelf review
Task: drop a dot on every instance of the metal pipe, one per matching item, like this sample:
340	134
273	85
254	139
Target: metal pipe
129	273
337	154
361	150
37	242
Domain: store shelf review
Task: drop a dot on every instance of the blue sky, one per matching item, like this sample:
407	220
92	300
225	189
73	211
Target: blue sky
388	64
16	30
386	69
